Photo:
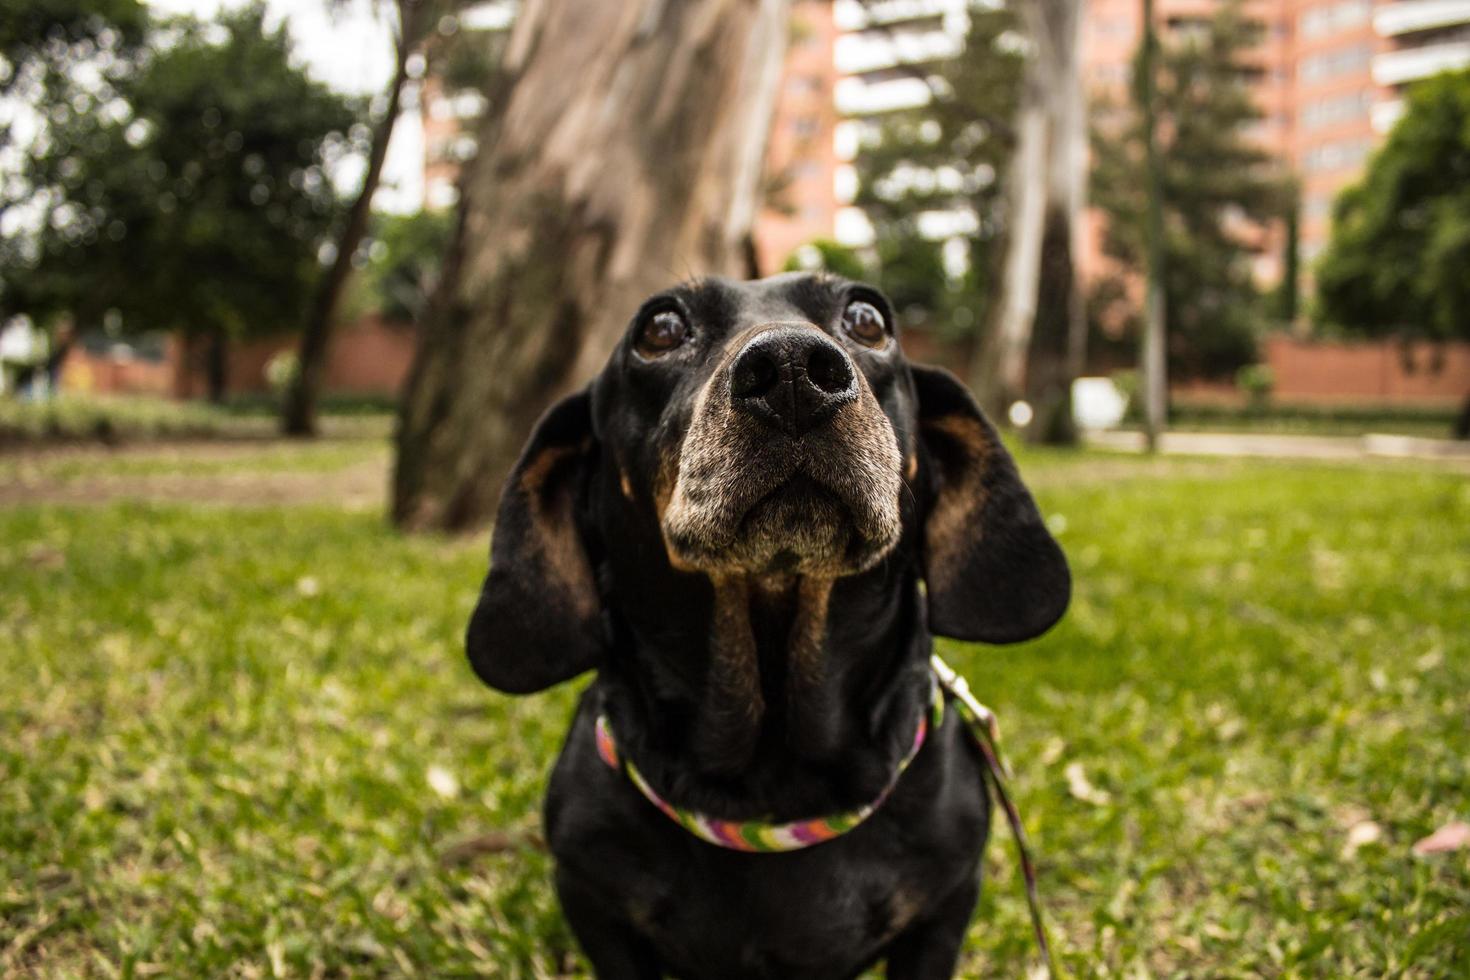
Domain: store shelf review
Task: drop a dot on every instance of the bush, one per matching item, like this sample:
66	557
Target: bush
109	420
1257	381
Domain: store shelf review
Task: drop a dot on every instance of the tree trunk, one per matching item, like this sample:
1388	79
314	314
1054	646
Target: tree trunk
1047	197
217	366
299	409
625	154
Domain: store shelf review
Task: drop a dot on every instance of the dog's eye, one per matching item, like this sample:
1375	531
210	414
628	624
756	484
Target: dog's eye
864	323
662	333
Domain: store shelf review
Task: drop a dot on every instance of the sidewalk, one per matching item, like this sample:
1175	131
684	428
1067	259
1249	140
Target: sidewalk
1274	446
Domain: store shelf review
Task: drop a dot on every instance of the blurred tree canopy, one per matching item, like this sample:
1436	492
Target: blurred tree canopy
1219	188
426	29
950	155
402	261
1398	261
58	59
199	200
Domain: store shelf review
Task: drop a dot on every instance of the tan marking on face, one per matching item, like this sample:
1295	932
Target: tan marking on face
961	496
625	484
808	636
732	707
911	468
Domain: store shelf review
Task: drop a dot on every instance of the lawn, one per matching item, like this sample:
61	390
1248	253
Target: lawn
243	741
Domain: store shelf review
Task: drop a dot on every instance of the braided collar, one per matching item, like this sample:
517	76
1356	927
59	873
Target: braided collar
758	836
761	837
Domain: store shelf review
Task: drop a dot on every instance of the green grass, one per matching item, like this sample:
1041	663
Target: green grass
219	727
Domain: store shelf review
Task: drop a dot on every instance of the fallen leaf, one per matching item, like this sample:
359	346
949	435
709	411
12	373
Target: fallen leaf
1359	834
45	556
442	781
1450	837
1080	787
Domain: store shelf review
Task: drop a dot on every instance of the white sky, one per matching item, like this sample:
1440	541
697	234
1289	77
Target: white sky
349	48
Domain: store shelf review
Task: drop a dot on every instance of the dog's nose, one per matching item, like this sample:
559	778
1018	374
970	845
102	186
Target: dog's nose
792	379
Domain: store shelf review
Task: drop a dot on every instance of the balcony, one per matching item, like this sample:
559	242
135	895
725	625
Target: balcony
856	54
856	97
1409	16
857	15
1412	64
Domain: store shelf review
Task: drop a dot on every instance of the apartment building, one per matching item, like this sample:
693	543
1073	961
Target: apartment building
1329	76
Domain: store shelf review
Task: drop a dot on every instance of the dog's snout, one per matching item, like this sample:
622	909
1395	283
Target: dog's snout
792	379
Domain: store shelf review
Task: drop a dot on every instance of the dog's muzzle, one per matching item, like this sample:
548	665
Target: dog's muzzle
789	463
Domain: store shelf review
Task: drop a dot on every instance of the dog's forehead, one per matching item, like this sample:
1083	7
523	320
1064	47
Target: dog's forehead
789	296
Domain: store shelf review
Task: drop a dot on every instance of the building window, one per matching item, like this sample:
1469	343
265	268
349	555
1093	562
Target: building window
1336	155
1339	61
1336	109
1317	207
805	127
1332	18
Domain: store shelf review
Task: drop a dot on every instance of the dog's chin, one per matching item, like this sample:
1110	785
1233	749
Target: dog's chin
799	528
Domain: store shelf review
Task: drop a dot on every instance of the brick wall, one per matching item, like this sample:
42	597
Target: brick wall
1369	373
111	374
368	357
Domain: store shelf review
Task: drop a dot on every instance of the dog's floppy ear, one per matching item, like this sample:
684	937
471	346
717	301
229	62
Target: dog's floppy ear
992	570
538	621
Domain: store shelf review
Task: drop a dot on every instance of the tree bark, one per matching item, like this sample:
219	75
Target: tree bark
1047	198
299	409
217	366
625	154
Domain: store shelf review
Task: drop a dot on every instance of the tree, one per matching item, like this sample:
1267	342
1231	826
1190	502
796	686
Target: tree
948	156
1400	247
200	201
415	21
623	149
404	257
1040	327
1219	189
59	59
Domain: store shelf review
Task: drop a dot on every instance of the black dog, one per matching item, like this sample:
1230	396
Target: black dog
731	525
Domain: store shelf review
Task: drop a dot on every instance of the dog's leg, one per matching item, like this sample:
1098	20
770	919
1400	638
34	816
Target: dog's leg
615	951
929	948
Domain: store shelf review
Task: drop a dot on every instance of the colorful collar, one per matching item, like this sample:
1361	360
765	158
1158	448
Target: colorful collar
755	836
758	836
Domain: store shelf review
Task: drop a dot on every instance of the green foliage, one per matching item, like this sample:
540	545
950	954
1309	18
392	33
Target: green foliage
118	420
1400	248
44	42
403	257
1257	381
1216	178
200	201
951	154
73	418
825	255
239	718
1285	300
59	60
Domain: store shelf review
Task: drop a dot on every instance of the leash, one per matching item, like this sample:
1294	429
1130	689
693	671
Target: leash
761	837
985	729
